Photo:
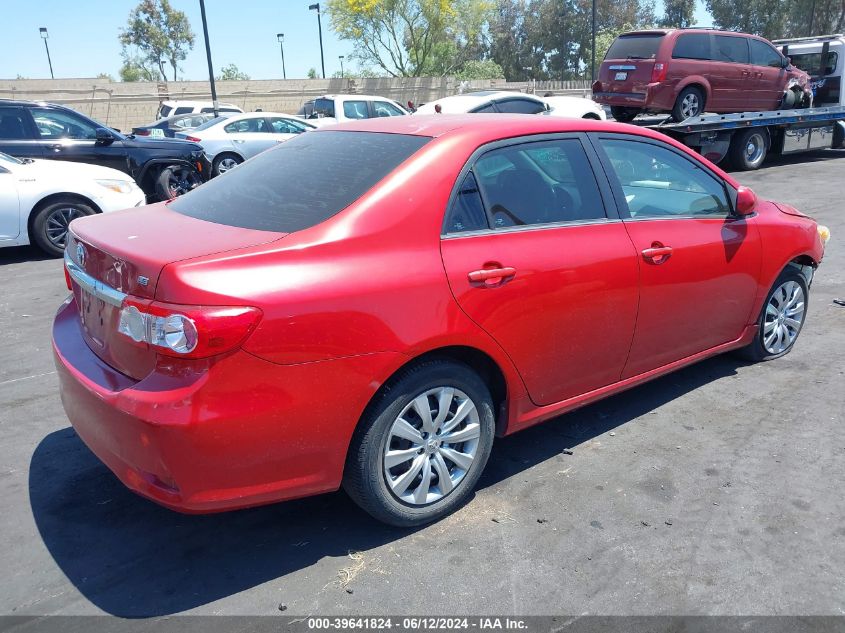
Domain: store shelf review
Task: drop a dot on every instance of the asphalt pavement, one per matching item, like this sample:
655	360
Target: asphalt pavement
714	490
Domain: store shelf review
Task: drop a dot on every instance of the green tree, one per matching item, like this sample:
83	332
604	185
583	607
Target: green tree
136	68
160	33
231	73
788	18
408	38
312	73
105	76
678	13
480	69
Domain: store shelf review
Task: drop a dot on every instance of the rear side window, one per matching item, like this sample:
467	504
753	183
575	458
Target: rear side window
730	49
692	46
485	109
467	213
247	125
289	189
183	110
14	124
635	46
764	55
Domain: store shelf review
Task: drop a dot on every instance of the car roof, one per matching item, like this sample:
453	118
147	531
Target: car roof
482	129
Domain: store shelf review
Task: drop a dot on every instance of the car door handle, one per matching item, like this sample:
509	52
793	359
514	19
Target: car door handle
658	253
237	141
492	276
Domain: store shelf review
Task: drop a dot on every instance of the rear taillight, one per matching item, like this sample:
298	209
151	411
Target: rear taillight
141	132
68	280
659	72
187	331
193	139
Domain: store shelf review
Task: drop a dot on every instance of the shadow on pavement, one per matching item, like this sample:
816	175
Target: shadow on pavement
20	254
134	559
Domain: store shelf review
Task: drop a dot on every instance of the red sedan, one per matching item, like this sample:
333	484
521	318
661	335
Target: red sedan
368	305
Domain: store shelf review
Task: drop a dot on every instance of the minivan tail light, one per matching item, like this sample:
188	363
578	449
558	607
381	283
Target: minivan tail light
186	331
659	72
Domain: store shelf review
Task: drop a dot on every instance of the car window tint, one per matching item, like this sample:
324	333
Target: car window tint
727	48
59	124
659	183
356	110
13	124
764	55
635	46
257	124
811	62
485	109
692	46
286	126
467	212
383	108
284	189
165	111
183	110
323	107
539	183
520	106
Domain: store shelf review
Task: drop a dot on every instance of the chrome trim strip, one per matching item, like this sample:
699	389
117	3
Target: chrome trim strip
622	67
93	286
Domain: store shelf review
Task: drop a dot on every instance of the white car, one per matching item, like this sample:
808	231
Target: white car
490	101
330	109
39	198
172	108
230	140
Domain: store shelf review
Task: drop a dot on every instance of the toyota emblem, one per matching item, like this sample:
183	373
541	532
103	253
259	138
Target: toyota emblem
81	255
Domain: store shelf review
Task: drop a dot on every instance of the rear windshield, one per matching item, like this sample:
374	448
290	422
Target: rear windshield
811	62
324	107
637	46
301	183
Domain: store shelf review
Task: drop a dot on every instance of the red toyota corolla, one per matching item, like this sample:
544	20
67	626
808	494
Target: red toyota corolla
368	305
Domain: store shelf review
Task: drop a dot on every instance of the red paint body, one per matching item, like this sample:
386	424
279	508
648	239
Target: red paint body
347	303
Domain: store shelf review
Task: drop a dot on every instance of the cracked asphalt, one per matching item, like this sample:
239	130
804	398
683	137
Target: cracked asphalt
714	490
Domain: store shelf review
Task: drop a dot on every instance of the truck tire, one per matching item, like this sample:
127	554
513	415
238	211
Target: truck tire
749	149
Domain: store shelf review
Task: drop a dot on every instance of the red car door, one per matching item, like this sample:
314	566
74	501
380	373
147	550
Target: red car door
533	258
698	263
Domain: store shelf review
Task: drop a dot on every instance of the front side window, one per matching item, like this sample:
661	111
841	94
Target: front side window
60	124
520	106
247	125
356	110
659	183
764	55
284	189
727	48
539	183
692	46
286	126
383	108
13	124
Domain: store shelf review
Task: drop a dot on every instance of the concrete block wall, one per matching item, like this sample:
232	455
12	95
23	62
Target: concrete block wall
124	105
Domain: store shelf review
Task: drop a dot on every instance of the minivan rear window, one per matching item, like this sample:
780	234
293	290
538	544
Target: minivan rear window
635	46
300	183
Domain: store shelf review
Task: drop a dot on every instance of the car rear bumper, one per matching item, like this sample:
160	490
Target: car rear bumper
237	432
657	96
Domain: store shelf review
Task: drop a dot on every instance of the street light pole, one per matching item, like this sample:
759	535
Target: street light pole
593	61
316	7
208	57
340	57
281	38
44	36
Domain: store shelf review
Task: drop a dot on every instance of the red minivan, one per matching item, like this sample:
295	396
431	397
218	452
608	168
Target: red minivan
685	71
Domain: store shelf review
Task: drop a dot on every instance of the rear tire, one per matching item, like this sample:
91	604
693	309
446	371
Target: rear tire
624	115
50	224
175	181
405	475
690	103
781	319
748	149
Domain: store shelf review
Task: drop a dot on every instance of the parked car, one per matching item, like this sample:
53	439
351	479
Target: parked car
172	108
229	141
457	278
39	198
163	168
330	109
501	101
688	71
167	127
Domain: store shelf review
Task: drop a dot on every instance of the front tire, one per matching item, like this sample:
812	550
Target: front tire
419	450
50	225
175	181
781	319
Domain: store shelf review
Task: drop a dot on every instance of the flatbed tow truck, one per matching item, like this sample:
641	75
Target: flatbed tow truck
746	138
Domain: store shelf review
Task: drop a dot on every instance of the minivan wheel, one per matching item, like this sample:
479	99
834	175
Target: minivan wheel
781	318
624	115
748	149
689	103
422	445
50	225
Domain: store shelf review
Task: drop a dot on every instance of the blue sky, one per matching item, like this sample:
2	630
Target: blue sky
83	37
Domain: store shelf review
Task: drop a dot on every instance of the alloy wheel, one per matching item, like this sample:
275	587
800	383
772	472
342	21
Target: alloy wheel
784	317
690	105
57	223
226	164
431	446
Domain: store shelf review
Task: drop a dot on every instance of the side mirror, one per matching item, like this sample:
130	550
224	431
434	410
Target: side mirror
784	62
104	136
746	201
